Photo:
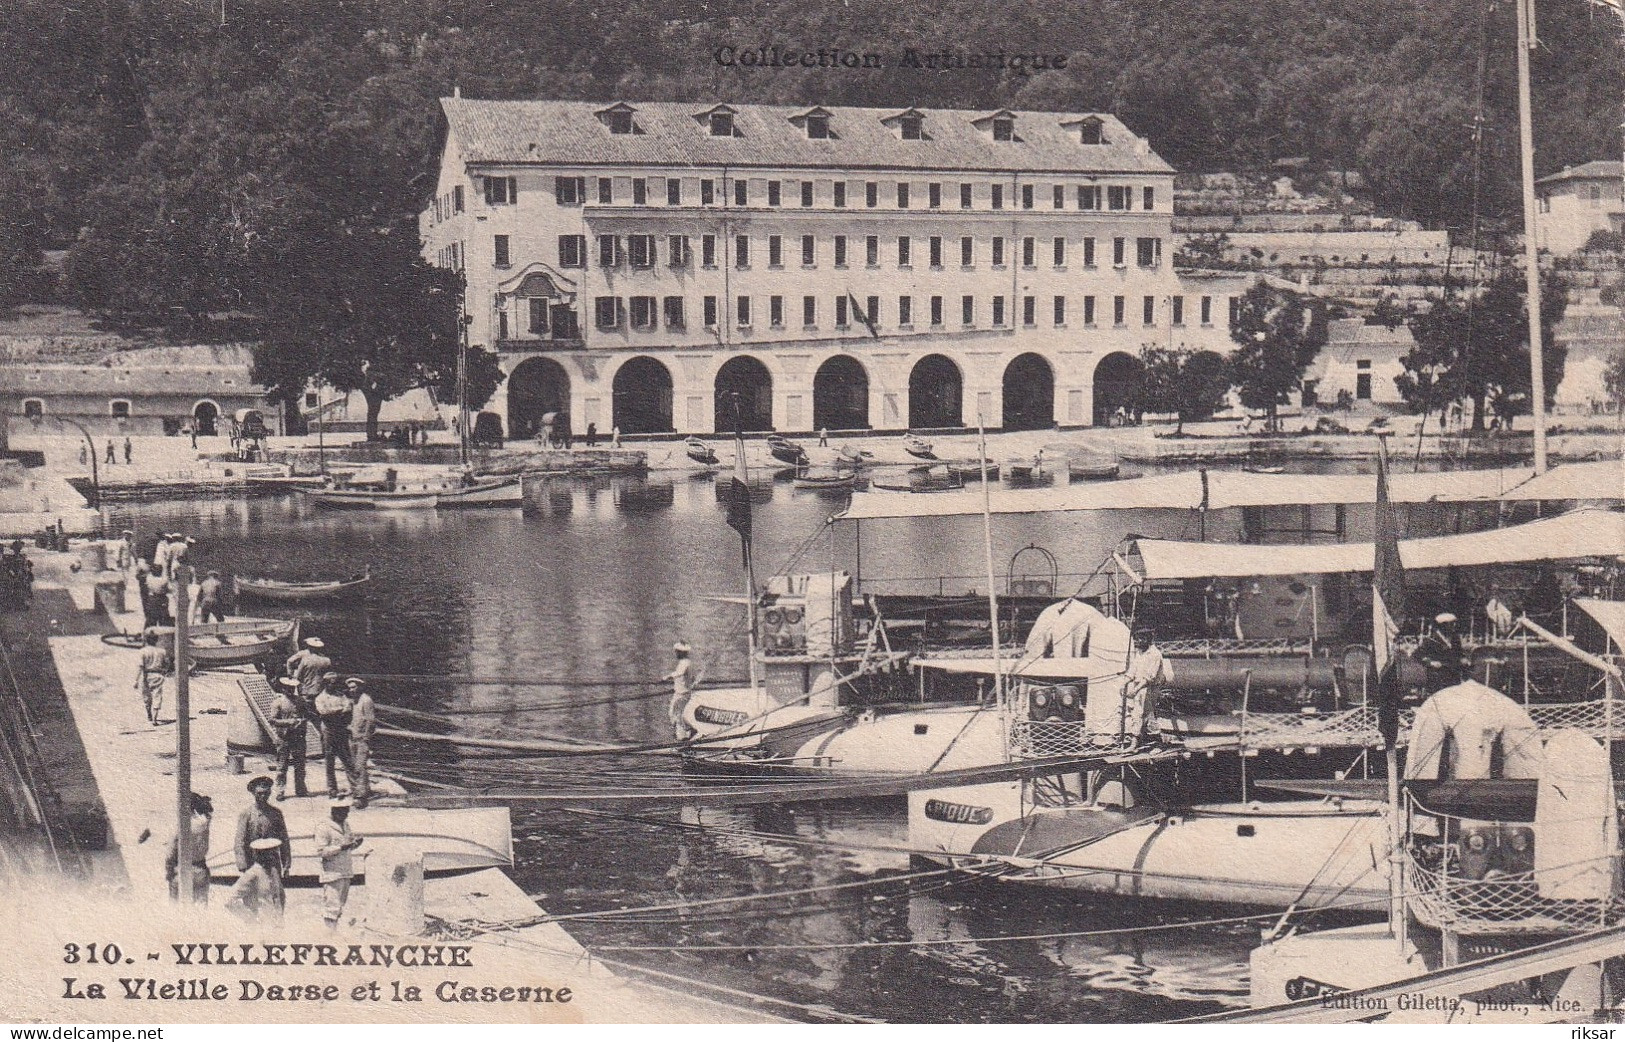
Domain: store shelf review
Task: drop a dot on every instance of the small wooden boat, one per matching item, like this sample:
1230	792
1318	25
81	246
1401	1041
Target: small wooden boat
286	590
971	470
503	492
847	456
1087	469
1024	469
237	642
825	482
1262	468
786	451
917	447
916	479
700	452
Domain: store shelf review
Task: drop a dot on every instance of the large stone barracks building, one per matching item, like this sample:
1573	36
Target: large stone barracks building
637	265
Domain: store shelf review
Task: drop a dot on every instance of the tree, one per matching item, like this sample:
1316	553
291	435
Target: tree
1613	380
363	312
1190	384
1474	347
1279	333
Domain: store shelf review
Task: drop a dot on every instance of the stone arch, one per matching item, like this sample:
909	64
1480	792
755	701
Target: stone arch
536	387
206	418
642	397
1029	393
750	379
1119	383
841	395
936	393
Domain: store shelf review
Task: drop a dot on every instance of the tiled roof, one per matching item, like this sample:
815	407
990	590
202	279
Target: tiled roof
668	133
1597	168
118	382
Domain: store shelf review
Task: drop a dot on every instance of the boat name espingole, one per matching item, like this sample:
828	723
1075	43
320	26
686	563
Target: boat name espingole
296	954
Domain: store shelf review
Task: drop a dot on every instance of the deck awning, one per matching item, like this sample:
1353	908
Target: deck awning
1602	479
1192	490
1610	615
1579	533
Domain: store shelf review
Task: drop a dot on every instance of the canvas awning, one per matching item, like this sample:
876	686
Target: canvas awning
1579	533
1192	490
1602	479
1610	615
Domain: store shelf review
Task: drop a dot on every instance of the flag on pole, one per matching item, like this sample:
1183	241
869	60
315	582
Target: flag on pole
1387	604
868	320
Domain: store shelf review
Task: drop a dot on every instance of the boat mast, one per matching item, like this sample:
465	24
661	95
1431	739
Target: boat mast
1531	250
462	386
987	554
741	490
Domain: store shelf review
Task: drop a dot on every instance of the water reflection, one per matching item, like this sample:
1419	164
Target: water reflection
592	584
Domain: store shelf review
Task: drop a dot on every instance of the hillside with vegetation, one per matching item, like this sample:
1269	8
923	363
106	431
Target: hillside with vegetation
266	158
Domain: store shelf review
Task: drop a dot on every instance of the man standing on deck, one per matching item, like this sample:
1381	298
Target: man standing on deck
263	854
334	842
210	595
149	678
682	685
1142	681
1440	652
363	722
334	710
290	723
307	665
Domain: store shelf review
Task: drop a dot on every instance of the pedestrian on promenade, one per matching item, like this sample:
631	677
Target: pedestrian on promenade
191	429
149	679
179	546
334	842
334	710
129	450
823	437
202	818
363	722
155	606
592	435
682	684
211	594
289	725
263	854
306	666
110	457
84	455
615	437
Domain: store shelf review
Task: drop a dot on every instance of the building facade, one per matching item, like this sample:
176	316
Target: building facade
1577	202
651	266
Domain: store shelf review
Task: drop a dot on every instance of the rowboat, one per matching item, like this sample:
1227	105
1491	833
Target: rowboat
286	590
971	470
916	479
1092	469
917	447
700	452
237	642
836	482
786	451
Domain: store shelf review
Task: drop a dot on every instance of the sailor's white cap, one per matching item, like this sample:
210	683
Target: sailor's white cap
681	647
1444	617
314	642
342	801
268	843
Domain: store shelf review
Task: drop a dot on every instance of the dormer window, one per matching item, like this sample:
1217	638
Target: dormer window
817	128
1091	131
618	118
722	124
1004	129
912	128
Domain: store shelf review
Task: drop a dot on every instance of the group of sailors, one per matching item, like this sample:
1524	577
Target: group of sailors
156	580
264	856
342	710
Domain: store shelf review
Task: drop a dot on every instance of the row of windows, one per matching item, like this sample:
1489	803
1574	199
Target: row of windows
572	191
908	125
641	251
118	408
642	312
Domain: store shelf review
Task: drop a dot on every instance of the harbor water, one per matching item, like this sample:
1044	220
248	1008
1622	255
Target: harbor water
592	587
